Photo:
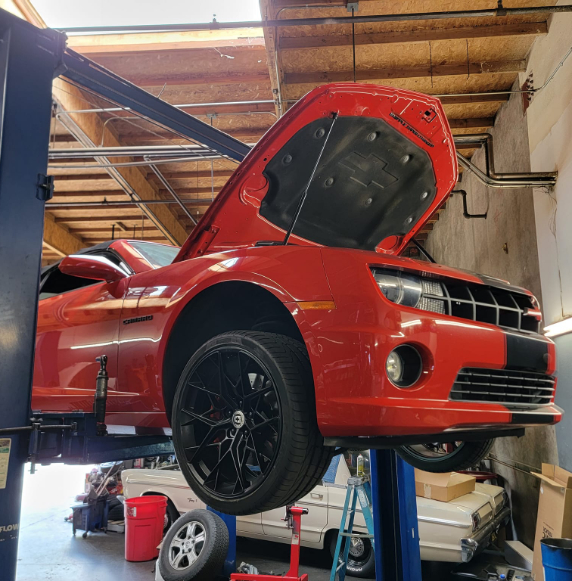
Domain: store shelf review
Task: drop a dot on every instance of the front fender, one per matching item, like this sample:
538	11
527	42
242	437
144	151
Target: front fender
155	301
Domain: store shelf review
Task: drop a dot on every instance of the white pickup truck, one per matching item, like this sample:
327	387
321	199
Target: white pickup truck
449	531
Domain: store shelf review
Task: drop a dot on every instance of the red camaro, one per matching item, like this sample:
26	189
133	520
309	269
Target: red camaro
288	324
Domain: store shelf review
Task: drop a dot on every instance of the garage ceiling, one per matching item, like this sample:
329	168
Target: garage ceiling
278	65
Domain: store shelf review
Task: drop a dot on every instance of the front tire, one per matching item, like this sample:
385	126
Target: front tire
445	457
244	423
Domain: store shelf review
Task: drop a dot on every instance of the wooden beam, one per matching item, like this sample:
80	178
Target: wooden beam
92	126
30	13
93	219
470	99
184	79
413	36
59	239
111	44
471	123
302	3
92	230
406	72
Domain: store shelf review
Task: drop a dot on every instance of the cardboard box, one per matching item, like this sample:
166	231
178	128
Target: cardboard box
554	511
444	487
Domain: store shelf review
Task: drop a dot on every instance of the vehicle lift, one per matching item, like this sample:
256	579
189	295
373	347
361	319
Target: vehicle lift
30	58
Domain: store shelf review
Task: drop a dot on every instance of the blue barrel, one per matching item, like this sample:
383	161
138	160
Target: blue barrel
557	559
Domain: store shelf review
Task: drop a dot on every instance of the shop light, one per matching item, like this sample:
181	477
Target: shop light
560	328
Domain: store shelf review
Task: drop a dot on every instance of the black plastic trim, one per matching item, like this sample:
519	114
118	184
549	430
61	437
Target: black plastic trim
525	352
387	442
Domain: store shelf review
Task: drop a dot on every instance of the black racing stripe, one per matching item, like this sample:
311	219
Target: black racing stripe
524	352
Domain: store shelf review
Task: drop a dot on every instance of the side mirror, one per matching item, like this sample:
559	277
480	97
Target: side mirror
92	267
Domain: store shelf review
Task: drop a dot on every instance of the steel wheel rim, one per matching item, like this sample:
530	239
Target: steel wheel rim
357	549
186	545
230	421
435	452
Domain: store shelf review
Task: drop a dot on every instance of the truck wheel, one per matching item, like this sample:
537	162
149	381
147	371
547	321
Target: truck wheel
445	457
244	423
171	515
195	547
361	559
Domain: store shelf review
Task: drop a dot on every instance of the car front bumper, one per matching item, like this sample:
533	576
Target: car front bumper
349	346
470	546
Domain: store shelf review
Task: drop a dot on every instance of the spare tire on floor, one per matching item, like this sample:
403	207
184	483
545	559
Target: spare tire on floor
195	547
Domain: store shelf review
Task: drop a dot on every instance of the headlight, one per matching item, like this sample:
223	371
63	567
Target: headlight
410	290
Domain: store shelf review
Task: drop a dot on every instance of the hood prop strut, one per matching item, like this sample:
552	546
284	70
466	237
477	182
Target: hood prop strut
305	193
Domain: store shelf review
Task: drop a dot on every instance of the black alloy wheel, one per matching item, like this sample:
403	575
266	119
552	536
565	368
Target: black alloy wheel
445	457
244	423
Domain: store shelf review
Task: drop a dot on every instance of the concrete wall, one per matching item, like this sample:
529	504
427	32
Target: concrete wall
550	140
504	245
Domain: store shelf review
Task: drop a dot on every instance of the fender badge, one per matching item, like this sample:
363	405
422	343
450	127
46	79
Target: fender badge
138	320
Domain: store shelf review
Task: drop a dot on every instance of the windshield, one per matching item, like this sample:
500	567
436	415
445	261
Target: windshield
157	255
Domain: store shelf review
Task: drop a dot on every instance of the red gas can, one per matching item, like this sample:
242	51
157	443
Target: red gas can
144	521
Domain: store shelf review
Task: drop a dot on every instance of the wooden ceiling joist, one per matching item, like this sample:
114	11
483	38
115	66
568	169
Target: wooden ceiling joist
71	99
414	36
407	72
106	44
59	239
182	79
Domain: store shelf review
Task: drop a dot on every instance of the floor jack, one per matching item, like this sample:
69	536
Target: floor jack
294	519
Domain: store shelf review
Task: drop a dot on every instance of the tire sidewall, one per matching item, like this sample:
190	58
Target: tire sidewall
209	523
466	456
273	479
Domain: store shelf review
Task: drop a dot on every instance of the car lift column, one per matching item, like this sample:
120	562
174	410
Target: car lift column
29	58
395	526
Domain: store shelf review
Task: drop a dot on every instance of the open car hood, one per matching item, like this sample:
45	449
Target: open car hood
386	164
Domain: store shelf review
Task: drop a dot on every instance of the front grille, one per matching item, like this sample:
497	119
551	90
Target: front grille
485	304
504	386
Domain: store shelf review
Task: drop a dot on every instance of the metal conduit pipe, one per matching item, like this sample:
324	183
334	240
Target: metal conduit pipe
126	204
129	150
501	12
168	187
486	140
187	106
500	180
528	182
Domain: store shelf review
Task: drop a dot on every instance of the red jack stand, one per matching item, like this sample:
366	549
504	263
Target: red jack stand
294	518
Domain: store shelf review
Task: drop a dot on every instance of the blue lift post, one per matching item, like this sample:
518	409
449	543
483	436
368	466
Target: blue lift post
29	60
394	507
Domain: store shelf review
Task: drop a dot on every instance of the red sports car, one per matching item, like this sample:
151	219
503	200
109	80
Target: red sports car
288	324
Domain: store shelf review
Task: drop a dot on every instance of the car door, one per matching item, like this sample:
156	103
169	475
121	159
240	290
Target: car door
313	524
78	321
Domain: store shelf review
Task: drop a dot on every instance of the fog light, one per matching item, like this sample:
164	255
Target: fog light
394	367
404	366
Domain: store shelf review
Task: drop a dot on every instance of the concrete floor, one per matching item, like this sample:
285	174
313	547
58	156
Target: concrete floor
49	551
